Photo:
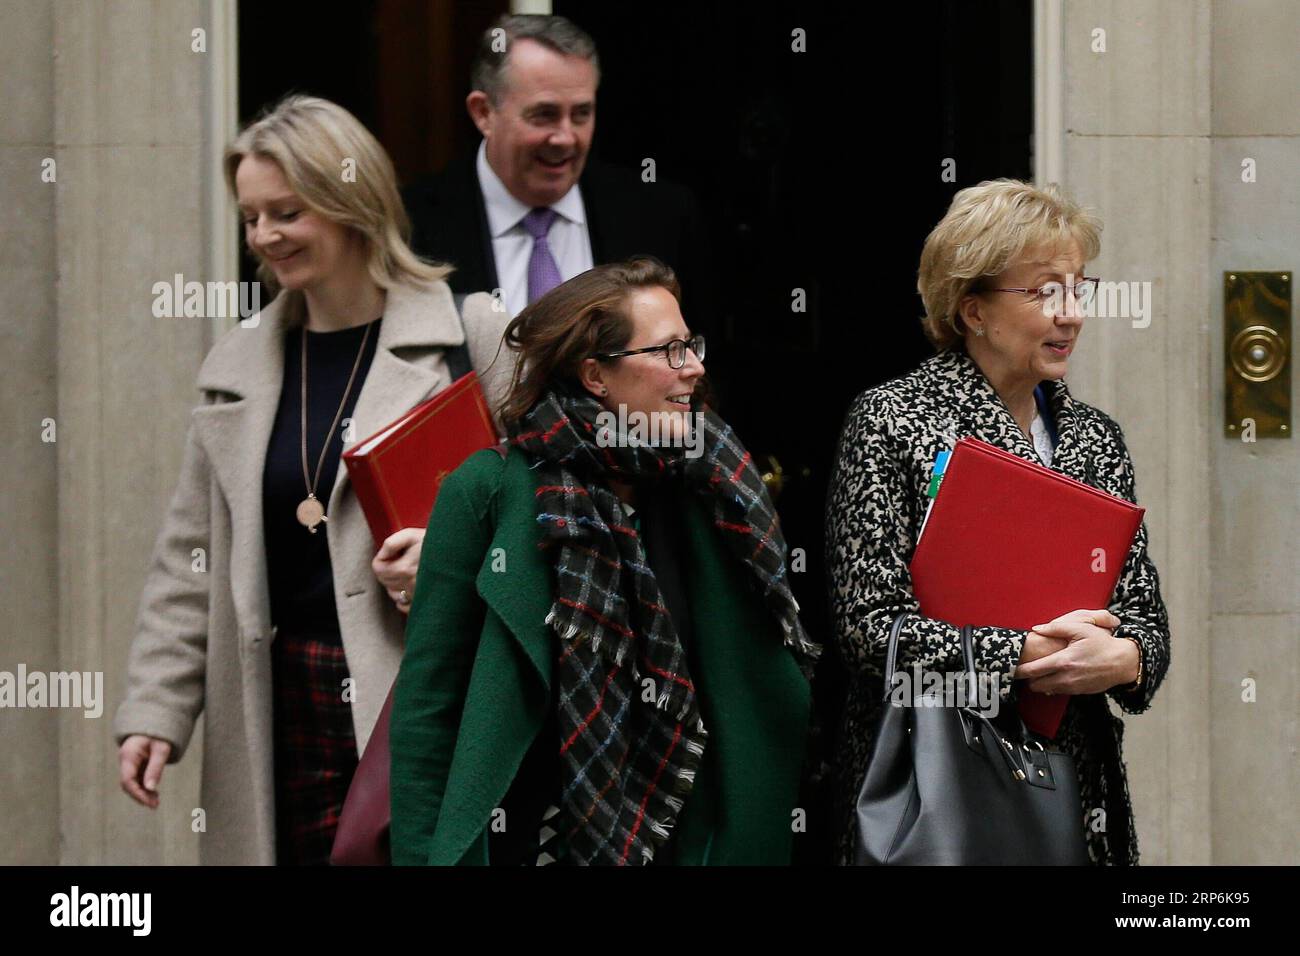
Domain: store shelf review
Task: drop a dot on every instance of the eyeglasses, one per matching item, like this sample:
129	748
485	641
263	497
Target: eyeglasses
1083	290
675	350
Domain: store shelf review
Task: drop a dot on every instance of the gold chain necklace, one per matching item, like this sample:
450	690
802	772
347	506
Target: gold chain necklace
310	511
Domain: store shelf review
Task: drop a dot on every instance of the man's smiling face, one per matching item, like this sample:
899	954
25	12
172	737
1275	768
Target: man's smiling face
539	133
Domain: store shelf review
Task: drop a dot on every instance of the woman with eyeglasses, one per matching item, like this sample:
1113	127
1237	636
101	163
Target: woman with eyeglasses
1003	282
604	663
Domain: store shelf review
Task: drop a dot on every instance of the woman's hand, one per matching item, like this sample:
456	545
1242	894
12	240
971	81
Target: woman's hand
140	762
1091	662
395	565
1039	645
1079	624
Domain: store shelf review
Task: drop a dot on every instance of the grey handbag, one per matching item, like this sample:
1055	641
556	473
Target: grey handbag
946	785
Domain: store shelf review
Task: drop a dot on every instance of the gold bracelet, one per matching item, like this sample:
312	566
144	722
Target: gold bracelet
1138	681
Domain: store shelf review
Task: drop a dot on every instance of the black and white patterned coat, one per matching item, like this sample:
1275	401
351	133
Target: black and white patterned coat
876	503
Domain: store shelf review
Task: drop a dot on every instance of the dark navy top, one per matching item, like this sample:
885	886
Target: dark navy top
299	573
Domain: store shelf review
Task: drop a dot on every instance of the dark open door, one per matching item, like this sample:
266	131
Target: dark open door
818	171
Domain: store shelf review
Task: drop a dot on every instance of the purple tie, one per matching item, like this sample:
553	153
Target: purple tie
543	273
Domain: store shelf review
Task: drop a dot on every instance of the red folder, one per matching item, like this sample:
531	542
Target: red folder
1009	543
397	471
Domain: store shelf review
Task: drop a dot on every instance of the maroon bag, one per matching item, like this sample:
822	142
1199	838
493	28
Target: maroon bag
362	837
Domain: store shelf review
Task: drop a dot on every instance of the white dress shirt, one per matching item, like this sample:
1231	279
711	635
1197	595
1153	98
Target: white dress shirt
512	246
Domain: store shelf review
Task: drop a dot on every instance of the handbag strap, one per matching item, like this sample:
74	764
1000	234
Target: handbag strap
457	357
1005	748
891	651
968	654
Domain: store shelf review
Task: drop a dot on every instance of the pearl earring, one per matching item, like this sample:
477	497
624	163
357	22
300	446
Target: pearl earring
604	391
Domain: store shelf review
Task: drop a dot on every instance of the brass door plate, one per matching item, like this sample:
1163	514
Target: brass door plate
1257	354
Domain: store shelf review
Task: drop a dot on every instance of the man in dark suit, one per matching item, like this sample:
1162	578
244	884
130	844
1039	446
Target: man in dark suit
530	209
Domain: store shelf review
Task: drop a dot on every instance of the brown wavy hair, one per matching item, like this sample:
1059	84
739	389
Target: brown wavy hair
576	320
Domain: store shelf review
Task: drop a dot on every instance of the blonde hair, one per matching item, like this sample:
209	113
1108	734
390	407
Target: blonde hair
986	228
313	140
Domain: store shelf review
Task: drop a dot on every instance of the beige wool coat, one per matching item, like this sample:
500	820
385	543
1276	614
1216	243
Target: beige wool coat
204	636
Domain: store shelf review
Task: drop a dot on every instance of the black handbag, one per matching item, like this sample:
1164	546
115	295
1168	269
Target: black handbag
946	785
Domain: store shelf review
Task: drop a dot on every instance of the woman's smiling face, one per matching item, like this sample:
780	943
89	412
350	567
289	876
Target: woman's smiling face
646	383
301	247
1026	340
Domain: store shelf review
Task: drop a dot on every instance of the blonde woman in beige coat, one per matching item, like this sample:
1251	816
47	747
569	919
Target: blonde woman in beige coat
278	623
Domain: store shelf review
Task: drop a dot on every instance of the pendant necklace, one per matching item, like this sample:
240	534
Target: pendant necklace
310	511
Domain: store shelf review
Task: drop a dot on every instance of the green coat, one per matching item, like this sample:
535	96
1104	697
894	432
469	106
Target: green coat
476	682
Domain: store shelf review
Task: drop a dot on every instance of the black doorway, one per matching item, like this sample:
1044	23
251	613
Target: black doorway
818	171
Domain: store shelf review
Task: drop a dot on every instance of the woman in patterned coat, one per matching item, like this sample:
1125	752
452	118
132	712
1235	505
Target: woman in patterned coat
995	279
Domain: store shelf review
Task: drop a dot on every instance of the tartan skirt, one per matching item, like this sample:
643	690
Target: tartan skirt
315	748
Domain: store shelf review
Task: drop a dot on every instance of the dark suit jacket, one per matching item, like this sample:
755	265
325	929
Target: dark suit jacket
625	216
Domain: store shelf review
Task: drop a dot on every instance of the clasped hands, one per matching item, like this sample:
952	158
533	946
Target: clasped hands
1077	654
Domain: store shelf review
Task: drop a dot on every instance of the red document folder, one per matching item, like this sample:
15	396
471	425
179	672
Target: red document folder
1009	543
397	471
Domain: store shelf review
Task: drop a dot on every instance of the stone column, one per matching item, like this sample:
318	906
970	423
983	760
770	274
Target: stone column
29	569
1154	132
1136	128
1255	514
133	156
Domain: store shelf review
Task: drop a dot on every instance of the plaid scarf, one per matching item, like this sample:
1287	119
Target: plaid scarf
631	734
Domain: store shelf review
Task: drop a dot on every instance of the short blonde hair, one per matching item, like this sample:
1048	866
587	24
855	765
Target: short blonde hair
986	228
314	142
